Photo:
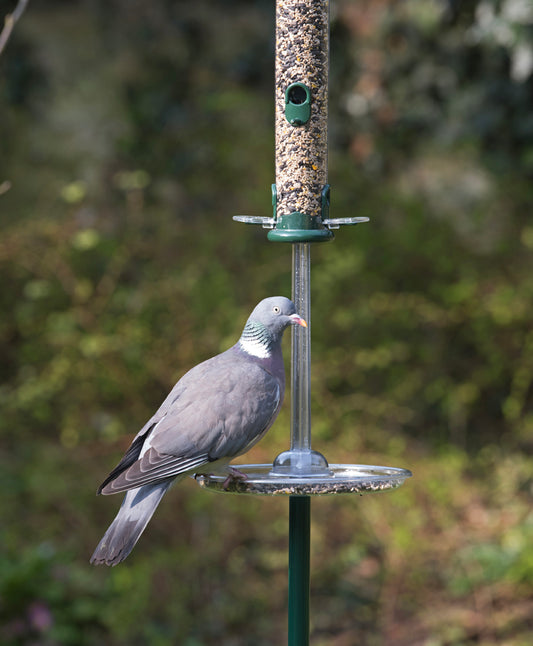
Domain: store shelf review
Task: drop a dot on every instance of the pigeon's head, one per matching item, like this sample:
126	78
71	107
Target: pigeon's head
266	325
275	314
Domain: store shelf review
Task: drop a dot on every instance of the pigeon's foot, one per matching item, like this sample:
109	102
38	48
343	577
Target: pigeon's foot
234	474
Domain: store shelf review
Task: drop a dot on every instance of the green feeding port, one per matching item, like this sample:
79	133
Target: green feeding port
297	104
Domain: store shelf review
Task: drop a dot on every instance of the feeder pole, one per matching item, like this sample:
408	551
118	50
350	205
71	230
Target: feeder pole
299	560
301	192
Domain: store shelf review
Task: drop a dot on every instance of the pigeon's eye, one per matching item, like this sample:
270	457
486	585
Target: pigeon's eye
276	309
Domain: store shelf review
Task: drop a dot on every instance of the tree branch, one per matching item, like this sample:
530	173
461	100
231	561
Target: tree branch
10	21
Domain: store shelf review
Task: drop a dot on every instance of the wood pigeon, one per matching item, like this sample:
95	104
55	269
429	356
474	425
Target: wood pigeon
216	411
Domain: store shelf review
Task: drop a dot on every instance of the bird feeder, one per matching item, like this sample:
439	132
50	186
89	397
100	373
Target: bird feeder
300	217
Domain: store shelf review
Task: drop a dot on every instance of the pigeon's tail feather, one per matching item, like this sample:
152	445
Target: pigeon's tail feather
136	510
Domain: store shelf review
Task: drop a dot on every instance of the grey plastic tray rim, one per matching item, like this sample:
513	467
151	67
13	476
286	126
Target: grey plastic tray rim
341	479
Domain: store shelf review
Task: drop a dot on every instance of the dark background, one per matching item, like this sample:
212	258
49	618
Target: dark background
130	133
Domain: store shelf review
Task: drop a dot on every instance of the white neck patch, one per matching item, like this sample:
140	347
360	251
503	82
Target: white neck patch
254	347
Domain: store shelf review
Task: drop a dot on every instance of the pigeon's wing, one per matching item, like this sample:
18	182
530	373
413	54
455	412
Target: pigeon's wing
136	447
219	409
153	467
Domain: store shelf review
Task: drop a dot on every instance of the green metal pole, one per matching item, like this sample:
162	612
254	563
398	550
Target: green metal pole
299	556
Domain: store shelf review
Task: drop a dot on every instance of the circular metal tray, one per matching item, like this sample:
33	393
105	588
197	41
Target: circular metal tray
259	479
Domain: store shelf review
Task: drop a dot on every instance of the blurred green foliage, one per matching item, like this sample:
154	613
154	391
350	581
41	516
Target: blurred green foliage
131	132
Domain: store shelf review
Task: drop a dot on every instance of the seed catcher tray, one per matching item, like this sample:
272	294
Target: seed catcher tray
260	479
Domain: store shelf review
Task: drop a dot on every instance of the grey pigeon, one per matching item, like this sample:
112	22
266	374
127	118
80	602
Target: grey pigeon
217	411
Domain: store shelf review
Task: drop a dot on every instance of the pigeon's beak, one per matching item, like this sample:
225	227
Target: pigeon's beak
297	320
